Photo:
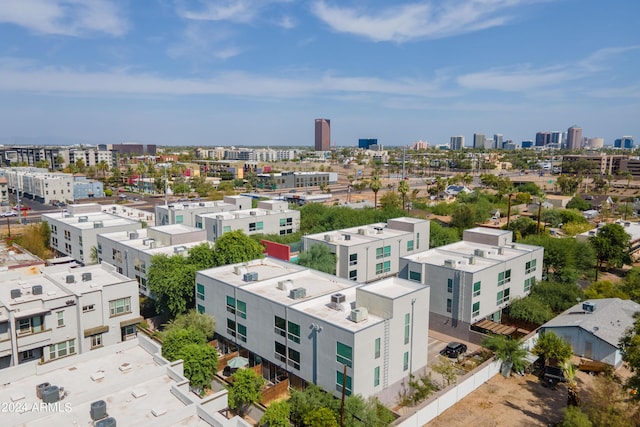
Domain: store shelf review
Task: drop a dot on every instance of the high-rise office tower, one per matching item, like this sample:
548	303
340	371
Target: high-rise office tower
556	138
543	139
478	140
574	138
498	140
323	134
624	142
457	142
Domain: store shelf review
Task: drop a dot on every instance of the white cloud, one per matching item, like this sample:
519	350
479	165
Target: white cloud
423	19
241	11
287	22
65	17
124	82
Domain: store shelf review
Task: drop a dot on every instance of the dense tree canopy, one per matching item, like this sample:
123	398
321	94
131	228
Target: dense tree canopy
630	348
440	236
172	279
234	247
200	364
530	309
192	319
177	339
552	348
276	415
244	390
318	257
611	244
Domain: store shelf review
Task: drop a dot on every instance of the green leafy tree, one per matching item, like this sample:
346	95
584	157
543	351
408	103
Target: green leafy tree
276	415
375	186
244	391
192	319
631	284
446	369
312	398
605	289
552	348
567	184
202	256
463	217
507	351
234	247
630	348
440	236
176	340
530	187
318	257
390	200
578	203
530	309
558	296
611	244
200	364
574	417
172	280
321	417
523	227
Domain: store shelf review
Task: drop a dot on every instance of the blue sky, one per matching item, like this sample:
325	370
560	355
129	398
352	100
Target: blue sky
258	72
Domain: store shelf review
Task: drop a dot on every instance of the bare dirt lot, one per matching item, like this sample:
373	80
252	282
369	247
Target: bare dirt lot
517	401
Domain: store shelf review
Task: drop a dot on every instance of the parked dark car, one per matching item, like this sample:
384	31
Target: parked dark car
455	349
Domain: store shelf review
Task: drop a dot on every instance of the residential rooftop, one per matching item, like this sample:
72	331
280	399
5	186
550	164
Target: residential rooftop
358	235
88	220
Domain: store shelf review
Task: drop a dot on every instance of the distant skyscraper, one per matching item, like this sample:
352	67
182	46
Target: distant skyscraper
457	142
574	138
478	140
366	142
526	144
556	138
595	143
498	139
624	142
543	139
323	134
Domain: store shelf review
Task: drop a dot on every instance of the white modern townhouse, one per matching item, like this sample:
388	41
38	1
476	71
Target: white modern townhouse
186	212
311	325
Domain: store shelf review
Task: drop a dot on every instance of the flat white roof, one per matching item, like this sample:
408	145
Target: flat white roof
50	290
369	233
101	275
117	388
392	287
245	213
195	205
489	231
267	268
108	220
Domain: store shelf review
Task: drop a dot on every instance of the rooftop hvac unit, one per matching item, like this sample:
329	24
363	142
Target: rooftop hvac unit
338	298
297	293
178	249
472	260
201	204
250	277
359	314
147	241
285	285
500	250
254	213
51	394
363	231
219	216
70	278
16	293
449	263
86	276
107	422
347	236
480	252
36	289
39	389
133	235
98	410
589	307
152	244
328	238
98	224
240	270
83	219
379	230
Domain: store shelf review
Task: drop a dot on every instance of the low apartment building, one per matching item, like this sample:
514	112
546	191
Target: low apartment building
311	324
185	213
474	279
271	217
74	233
130	252
373	251
62	312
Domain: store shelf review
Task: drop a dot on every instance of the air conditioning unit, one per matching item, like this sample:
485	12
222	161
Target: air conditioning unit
83	219
338	298
98	410
347	236
16	293
285	285
359	314
449	263
240	270
106	422
253	213
480	252
133	235
201	204
98	224
71	278
363	231
36	290
86	276
329	238
297	293
179	249
588	307
250	277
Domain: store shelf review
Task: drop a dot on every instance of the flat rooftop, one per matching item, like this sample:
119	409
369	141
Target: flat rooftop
197	205
50	290
125	373
101	275
267	268
392	287
489	231
461	252
246	213
108	220
358	235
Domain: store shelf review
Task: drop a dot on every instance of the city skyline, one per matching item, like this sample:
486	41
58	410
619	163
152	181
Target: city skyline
232	72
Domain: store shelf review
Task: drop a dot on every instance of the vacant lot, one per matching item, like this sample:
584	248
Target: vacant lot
516	401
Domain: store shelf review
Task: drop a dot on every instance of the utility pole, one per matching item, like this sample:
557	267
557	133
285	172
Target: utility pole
344	389
166	184
539	215
509	212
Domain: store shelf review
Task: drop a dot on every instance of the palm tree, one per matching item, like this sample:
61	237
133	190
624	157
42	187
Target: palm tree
507	351
103	167
403	188
573	399
375	186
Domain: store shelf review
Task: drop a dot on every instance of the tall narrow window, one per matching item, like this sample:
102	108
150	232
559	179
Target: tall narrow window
407	327
344	354
376	350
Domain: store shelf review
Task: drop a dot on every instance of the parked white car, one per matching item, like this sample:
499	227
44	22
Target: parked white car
9	213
